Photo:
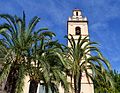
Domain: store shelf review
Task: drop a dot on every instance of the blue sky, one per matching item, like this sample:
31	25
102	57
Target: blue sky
103	17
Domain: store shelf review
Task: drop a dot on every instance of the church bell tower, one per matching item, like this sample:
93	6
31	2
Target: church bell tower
77	25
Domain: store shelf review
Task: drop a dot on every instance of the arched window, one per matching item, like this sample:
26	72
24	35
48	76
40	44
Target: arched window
77	31
76	13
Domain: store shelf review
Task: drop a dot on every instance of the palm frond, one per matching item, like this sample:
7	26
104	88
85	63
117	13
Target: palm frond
4	72
20	80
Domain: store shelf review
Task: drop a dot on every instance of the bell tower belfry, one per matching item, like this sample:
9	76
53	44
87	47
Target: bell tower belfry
78	25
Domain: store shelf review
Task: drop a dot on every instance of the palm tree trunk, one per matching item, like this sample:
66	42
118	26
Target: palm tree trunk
33	86
46	89
75	86
12	80
79	83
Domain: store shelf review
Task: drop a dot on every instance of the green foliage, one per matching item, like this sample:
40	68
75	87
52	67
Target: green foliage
49	66
116	78
104	83
26	50
20	81
82	59
18	42
33	52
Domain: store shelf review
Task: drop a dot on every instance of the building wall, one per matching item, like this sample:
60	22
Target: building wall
26	84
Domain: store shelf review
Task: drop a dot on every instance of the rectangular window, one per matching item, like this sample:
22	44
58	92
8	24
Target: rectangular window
76	13
41	89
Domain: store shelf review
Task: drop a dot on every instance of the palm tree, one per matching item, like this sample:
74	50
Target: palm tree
104	83
55	72
116	78
49	64
84	57
18	40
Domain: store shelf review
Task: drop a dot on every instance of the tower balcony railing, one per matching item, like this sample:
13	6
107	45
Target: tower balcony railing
77	18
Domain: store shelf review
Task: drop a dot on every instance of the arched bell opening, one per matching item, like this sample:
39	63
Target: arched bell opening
77	31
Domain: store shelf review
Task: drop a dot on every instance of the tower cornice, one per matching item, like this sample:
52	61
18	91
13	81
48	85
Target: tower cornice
78	21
